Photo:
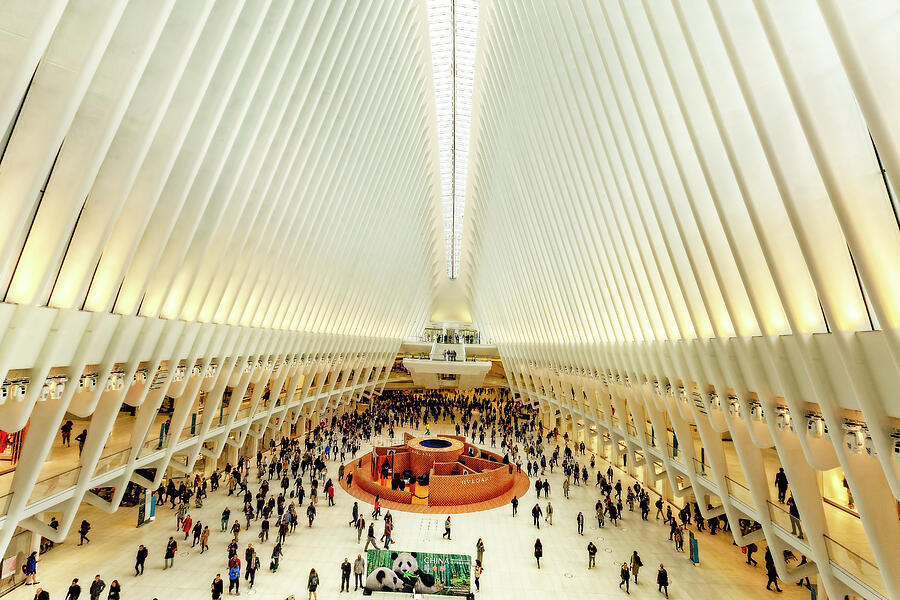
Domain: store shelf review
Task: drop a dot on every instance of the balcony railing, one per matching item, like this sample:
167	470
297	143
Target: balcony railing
54	484
111	461
856	566
740	492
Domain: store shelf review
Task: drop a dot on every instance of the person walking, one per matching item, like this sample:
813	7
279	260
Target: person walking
751	548
579	520
171	548
796	525
204	539
662	580
360	527
636	564
139	560
312	584
781	483
376	511
536	515
592	555
196	531
80	438
97	587
549	517
447	528
371	538
479	551
41	594
346	567
66	431
355	514
186	526
74	592
218	587
311	513
515	505
234	579
115	590
359	569
83	531
276	557
625	574
31	569
772	575
252	568
538	551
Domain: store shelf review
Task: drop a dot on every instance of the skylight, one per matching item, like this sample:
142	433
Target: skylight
453	25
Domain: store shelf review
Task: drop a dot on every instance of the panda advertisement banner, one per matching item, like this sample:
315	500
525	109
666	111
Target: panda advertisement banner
420	572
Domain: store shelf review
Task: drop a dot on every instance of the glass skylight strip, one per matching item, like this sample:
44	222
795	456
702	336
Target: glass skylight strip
453	27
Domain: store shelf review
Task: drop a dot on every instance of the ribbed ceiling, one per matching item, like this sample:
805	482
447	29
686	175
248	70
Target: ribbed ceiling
265	163
659	170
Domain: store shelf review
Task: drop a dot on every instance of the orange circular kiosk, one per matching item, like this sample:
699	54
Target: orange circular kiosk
441	471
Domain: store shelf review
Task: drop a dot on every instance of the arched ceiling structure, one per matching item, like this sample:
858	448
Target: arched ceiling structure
192	160
674	218
681	219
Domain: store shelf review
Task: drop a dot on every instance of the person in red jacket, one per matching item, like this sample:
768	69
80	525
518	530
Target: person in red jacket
186	526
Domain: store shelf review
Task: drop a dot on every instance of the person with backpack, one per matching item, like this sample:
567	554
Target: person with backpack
83	531
636	565
312	584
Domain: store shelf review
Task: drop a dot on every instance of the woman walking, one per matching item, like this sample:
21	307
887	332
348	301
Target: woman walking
312	583
636	564
31	569
538	551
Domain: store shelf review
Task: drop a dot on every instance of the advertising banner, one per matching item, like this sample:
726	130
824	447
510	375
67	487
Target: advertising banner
419	572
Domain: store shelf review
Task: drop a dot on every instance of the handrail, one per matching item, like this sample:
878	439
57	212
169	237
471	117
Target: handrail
743	492
856	566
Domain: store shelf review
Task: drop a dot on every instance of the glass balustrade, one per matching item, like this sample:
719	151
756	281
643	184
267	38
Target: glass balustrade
54	484
740	492
110	462
856	566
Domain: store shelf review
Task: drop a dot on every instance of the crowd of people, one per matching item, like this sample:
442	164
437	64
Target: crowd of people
268	494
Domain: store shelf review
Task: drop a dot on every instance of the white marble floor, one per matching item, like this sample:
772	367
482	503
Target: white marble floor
510	570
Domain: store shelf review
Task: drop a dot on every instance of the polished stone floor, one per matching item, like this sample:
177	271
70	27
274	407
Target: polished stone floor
509	567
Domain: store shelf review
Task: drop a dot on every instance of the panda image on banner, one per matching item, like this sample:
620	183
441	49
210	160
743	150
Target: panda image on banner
406	567
383	579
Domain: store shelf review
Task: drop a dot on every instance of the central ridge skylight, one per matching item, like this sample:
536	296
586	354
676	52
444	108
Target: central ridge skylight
453	25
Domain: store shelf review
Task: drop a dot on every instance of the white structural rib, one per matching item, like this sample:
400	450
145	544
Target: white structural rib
681	226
